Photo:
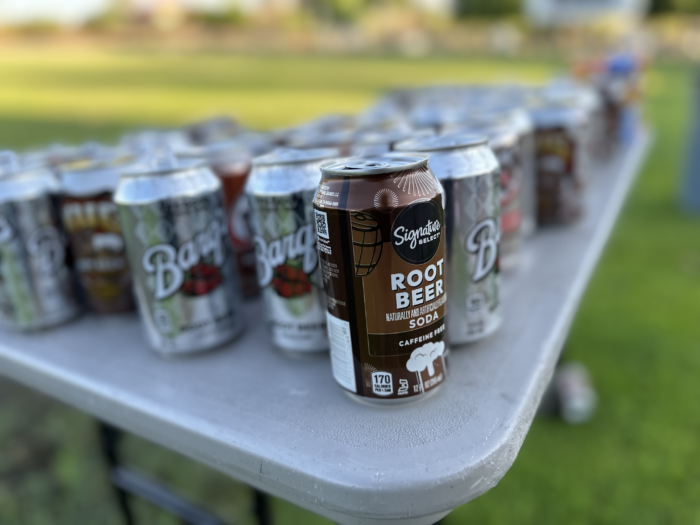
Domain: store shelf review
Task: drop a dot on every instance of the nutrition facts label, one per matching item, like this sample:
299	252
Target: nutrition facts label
341	352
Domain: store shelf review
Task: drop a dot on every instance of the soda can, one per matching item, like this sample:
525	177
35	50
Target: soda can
90	220
503	141
174	225
510	132
280	193
560	159
566	91
470	175
522	125
231	162
381	240
36	286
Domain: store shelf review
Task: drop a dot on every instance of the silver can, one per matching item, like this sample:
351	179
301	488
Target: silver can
470	175
503	141
91	222
522	125
280	192
36	287
174	223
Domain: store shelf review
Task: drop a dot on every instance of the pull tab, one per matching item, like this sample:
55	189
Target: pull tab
363	165
9	163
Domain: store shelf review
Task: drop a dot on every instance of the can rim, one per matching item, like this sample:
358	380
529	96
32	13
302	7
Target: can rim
144	170
304	156
441	142
373	165
86	166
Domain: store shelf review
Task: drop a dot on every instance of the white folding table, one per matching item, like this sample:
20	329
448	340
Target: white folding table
283	426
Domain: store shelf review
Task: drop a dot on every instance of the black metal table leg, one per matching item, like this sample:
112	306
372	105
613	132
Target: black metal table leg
261	505
109	444
127	483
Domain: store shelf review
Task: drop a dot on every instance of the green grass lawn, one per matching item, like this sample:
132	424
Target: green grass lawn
637	328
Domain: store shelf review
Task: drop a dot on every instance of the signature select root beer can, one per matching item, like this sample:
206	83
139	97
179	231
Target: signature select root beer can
91	222
36	287
280	192
174	224
381	242
470	175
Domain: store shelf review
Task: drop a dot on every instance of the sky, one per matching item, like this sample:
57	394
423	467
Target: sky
68	11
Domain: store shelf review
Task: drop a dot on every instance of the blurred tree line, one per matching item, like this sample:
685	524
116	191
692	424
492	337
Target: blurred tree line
494	8
347	10
675	6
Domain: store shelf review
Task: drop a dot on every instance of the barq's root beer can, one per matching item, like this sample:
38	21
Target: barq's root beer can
174	224
381	242
280	193
36	287
231	162
503	141
91	222
470	176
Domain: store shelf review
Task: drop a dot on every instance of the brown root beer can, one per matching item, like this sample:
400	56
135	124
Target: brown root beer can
381	240
91	221
231	162
560	160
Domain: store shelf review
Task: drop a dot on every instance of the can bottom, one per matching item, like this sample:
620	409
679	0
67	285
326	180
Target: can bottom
211	345
509	250
57	320
509	261
492	328
388	403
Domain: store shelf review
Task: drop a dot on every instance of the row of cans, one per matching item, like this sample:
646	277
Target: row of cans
352	253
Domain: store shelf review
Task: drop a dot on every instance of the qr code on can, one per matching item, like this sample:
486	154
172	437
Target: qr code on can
322	224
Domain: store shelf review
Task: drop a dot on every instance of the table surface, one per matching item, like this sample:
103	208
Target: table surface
283	425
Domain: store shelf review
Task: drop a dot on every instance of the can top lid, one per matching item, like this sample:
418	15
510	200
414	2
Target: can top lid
449	141
315	138
294	156
161	161
390	163
189	151
94	176
13	165
210	150
22	180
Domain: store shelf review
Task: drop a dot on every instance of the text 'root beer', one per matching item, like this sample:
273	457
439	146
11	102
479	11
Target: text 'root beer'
381	241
